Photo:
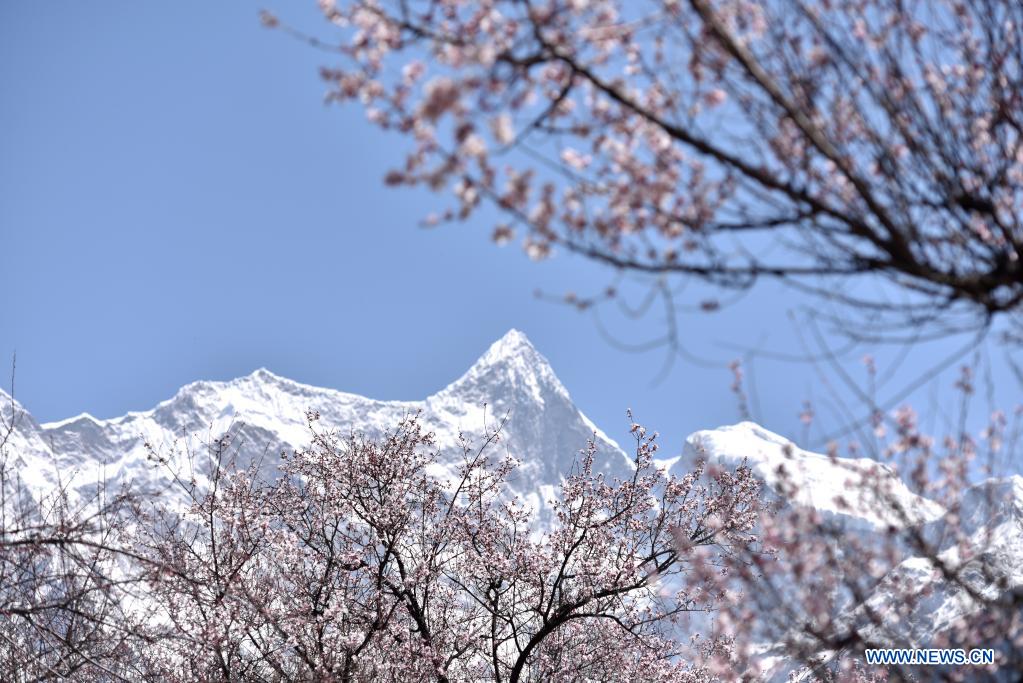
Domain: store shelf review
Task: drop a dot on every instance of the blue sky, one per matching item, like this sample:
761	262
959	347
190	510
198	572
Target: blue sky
177	203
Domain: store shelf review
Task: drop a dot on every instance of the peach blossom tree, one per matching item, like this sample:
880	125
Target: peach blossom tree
366	562
723	140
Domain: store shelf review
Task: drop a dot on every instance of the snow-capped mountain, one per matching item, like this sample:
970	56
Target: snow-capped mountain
835	487
265	414
981	540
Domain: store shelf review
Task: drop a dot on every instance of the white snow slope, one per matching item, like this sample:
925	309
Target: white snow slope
983	539
265	414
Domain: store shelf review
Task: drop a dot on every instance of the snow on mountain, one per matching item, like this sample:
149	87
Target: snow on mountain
265	414
981	540
25	445
833	486
983	545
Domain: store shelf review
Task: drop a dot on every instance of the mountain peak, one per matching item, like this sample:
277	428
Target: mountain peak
513	350
513	343
511	366
264	376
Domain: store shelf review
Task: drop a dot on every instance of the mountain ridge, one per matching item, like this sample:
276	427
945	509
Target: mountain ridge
510	383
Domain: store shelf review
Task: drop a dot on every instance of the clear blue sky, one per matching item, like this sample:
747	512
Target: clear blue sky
177	203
